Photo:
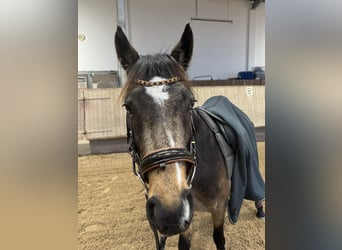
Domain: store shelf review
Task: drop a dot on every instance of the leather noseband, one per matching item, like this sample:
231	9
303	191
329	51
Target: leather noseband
160	158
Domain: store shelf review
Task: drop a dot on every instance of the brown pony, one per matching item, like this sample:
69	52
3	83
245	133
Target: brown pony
176	155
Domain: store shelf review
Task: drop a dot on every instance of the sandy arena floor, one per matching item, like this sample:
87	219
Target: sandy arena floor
111	211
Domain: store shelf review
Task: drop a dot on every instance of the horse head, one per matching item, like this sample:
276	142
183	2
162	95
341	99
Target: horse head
158	101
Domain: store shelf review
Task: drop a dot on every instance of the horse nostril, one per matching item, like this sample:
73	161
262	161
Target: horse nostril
187	195
150	211
151	207
186	223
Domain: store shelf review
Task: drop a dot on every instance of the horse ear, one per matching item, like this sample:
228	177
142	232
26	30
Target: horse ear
127	55
182	52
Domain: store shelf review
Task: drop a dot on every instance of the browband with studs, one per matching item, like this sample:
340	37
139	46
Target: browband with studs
166	81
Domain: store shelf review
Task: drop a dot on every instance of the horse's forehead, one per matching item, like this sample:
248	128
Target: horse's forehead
159	93
159	97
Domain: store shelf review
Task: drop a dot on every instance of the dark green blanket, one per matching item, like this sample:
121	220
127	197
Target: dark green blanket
247	182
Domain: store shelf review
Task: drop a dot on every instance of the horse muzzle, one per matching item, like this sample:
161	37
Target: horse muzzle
170	220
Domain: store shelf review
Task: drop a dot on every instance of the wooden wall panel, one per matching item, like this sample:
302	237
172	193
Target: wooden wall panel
81	110
252	104
104	115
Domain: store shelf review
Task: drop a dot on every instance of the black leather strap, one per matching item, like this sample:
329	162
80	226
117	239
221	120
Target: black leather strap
225	148
163	157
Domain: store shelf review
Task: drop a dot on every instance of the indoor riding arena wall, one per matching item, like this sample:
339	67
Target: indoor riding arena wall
101	117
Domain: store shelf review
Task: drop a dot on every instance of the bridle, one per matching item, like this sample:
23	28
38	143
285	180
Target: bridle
160	158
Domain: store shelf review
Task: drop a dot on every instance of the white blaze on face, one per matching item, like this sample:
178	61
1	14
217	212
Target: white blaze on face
157	91
159	96
178	174
186	211
170	138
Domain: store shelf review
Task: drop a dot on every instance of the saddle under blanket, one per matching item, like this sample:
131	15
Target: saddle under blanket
238	132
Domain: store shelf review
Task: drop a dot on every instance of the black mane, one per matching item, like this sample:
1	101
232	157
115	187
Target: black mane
162	65
148	66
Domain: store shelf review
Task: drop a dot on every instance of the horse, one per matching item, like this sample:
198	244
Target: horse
175	155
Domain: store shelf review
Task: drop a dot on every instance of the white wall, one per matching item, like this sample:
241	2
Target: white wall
257	37
220	49
260	36
97	21
156	25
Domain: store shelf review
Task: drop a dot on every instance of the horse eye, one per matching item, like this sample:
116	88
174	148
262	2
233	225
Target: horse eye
193	103
127	107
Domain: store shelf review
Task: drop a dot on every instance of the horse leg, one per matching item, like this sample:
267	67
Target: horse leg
218	221
162	242
260	211
184	239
